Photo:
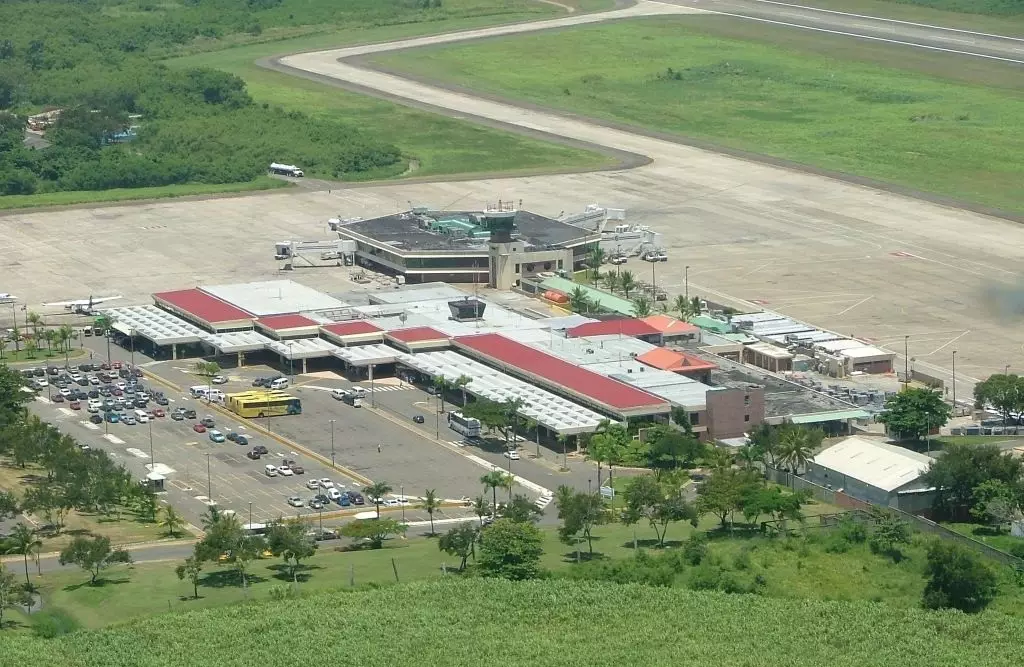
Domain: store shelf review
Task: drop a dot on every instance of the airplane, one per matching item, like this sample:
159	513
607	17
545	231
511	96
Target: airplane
83	306
4	296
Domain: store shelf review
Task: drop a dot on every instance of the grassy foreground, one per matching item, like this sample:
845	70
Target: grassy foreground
128	194
480	622
775	92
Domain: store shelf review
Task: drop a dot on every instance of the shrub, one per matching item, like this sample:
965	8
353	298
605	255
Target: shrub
695	549
53	622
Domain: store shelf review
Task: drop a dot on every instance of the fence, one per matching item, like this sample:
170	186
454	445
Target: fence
841	499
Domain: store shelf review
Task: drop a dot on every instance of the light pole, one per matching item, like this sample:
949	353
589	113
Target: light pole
906	360
402	489
686	281
373	402
332	442
152	460
209	483
17	334
437	419
131	333
1006	369
250	516
954	383
654	283
291	359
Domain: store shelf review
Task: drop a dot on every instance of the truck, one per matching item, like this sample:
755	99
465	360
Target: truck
285	170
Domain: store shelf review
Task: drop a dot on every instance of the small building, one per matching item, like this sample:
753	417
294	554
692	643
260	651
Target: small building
673	330
682	363
878	472
620	326
768	357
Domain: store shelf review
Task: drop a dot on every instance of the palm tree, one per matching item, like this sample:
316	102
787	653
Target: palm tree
172	521
597	256
682	304
512	407
641	306
3	346
492	481
579	302
30	347
695	308
34	322
627	282
376	493
211	517
796	447
611	281
508	482
25	543
65	334
562	440
481	507
431	503
461	383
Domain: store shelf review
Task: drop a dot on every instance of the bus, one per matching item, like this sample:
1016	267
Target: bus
467	426
263	404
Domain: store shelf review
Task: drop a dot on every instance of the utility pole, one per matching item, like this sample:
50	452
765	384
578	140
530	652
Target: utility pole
332	441
686	282
906	360
209	483
954	383
152	464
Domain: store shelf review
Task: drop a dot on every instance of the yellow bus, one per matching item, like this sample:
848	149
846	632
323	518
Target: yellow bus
263	404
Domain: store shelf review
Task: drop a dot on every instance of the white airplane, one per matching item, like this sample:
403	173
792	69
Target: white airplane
83	306
4	296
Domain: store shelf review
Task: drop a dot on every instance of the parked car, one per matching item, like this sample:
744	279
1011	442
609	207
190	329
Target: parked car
232	436
241	439
344	500
190	414
314	504
295	501
177	416
253	454
216	436
207	421
96	419
76	405
269	470
57	398
128	419
333	494
261	449
161	400
259	382
199	428
219	379
284	471
313	484
157	412
326	483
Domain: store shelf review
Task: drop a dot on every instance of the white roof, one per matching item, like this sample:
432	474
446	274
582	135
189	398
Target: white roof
274	297
237	341
155	324
363	355
302	348
840	345
763	316
554	412
771	351
878	464
866	351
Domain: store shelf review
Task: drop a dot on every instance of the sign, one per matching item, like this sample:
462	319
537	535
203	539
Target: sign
607	492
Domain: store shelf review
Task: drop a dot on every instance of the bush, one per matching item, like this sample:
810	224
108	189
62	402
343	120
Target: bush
695	549
53	622
640	569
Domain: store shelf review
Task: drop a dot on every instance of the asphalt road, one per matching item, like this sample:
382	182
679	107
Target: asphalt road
916	35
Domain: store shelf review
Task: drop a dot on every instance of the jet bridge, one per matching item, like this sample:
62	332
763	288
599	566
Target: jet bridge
335	252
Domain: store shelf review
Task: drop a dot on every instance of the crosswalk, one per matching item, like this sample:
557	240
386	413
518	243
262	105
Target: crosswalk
378	390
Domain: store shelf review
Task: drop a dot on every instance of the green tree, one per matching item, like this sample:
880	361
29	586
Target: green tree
672	448
210	517
995	502
192	570
430	503
796	446
373	531
914	412
51	500
595	259
9	505
23	541
957	579
288	539
511	550
608	444
520	509
642	306
441	385
481	507
1005	393
627	281
461	383
12	399
723	492
493	481
93	555
659	502
579	513
963	468
888	535
172	522
376	492
11	594
579	301
460	542
611	281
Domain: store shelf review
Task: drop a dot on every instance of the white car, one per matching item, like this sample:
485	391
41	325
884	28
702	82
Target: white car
219	379
295	501
284	471
313	484
512	455
326	483
391	502
64	391
94	381
333	494
41	382
120	385
76	376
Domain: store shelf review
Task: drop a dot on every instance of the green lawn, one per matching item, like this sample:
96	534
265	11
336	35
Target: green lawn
789	568
980	439
1002	540
40	356
782	93
1001	17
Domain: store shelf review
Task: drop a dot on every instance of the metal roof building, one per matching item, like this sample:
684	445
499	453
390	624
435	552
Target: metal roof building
874	471
274	297
202	309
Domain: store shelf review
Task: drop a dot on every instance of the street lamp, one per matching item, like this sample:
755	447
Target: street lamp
906	359
332	442
209	482
131	333
402	489
686	281
1006	369
954	383
250	516
291	360
152	461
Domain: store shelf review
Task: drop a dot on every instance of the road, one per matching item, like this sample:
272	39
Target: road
916	35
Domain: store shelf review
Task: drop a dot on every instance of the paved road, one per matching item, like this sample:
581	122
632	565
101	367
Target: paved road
916	35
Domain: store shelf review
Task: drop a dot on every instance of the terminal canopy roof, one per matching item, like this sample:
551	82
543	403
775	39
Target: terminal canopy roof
365	355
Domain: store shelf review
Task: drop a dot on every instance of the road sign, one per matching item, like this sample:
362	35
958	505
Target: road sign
607	492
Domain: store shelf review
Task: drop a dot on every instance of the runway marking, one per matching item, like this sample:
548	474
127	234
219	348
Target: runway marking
951	341
846	310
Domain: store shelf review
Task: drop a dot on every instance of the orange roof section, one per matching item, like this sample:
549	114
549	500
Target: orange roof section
670	325
677	362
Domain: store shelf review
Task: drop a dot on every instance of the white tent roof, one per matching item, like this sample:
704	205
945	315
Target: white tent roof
155	324
547	409
302	348
237	341
878	464
364	355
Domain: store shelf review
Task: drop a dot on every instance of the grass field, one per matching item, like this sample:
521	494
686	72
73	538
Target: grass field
1002	540
40	356
128	194
799	568
1001	17
475	622
788	94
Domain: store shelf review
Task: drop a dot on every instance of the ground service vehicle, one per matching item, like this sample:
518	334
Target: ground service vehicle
263	404
467	426
285	170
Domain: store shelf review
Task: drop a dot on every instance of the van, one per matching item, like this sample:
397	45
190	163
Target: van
141	416
270	470
215	396
198	390
339	394
279	383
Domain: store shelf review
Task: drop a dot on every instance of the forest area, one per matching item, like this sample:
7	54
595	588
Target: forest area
128	121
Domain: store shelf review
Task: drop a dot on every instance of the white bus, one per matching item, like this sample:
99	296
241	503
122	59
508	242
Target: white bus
285	169
467	426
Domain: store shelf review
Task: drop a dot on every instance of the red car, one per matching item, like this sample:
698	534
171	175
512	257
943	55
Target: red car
75	405
116	364
157	412
199	428
57	398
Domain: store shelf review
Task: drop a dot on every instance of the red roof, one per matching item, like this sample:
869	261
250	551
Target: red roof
626	326
284	322
417	334
353	328
199	304
677	362
558	372
670	325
